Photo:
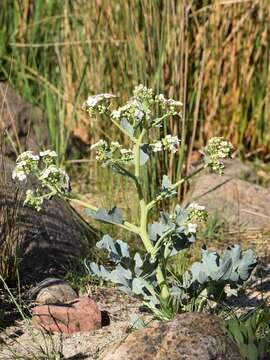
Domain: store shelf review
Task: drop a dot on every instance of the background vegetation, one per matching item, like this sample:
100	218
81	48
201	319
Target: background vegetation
213	55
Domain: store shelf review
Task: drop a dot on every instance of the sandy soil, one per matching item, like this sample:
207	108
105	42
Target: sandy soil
22	339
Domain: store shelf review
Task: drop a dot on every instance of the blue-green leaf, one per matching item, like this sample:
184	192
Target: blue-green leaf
117	250
112	216
144	154
127	126
166	183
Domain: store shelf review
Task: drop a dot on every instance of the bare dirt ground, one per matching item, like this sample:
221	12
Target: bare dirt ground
23	340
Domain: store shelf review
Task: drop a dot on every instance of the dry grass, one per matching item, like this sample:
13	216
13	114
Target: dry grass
214	55
211	54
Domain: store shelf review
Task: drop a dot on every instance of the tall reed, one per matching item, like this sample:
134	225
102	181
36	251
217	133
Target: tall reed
213	55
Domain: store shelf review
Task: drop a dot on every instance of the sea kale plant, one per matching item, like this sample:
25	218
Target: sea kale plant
147	275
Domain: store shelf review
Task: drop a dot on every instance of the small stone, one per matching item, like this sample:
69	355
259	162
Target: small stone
52	291
81	314
190	336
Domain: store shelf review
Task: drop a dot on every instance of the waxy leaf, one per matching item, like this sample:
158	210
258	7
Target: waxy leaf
144	154
166	183
127	126
117	250
112	216
131	275
234	267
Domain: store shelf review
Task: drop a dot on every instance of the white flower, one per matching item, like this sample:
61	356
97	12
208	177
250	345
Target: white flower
51	170
171	142
126	154
197	212
172	102
18	172
143	94
196	206
100	143
97	103
192	228
132	110
122	111
49	153
139	114
92	101
26	164
157	146
32	199
216	150
167	102
27	155
55	176
116	114
161	98
126	151
115	144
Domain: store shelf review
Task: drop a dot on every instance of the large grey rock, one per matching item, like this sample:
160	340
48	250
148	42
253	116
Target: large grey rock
239	203
45	240
190	336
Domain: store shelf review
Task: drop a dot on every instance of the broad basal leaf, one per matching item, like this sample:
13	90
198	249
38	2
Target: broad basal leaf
117	250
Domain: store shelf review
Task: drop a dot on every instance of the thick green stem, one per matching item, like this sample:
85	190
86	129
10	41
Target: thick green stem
161	278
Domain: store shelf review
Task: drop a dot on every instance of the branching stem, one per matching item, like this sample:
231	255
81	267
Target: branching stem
126	225
174	186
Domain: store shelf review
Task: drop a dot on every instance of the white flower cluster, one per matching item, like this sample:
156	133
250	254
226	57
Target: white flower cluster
169	104
26	164
195	206
97	103
43	168
192	228
126	155
197	212
170	143
48	153
55	177
48	156
157	146
215	152
114	153
143	94
33	199
132	111
138	108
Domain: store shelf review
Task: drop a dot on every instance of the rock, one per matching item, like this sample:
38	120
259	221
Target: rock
81	314
52	291
46	240
239	203
24	124
189	336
